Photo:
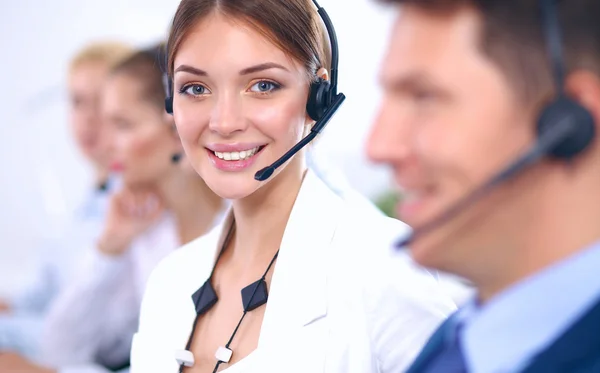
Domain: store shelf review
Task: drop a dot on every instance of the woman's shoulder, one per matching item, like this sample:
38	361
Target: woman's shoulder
362	222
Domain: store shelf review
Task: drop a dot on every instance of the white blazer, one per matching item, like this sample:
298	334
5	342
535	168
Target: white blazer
339	300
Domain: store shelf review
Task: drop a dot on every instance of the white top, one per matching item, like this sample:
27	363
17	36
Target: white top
339	301
94	319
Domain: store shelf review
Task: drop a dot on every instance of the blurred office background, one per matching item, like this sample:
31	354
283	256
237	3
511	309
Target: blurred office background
43	178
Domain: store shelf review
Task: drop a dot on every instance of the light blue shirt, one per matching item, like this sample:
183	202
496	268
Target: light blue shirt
20	330
507	332
60	255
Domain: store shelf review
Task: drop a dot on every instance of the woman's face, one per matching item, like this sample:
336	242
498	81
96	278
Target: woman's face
143	142
239	104
85	88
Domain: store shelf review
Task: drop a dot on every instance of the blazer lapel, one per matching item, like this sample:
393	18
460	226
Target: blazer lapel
576	348
298	292
213	242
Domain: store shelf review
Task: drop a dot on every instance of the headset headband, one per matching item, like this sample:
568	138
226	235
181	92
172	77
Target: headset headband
334	46
554	43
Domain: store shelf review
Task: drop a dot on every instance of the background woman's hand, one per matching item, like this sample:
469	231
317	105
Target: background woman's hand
130	213
11	362
4	307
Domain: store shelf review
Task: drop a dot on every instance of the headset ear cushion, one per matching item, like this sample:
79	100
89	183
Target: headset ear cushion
318	98
580	120
169	105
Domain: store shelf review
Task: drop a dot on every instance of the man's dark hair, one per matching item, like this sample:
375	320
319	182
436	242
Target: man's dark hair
512	36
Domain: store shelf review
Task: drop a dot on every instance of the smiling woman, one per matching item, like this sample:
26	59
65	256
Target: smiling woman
296	271
261	80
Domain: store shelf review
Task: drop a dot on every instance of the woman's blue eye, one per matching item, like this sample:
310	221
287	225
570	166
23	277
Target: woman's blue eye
195	90
264	86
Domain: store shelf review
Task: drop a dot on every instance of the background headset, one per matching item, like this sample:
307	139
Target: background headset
323	99
564	128
158	53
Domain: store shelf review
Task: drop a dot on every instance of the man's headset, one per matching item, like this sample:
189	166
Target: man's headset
323	100
564	129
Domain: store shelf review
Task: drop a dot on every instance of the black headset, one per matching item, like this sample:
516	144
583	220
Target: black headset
564	129
562	112
322	92
167	83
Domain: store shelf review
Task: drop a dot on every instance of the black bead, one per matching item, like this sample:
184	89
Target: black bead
251	302
103	187
204	298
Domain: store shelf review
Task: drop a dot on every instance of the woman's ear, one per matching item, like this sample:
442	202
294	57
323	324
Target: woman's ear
323	73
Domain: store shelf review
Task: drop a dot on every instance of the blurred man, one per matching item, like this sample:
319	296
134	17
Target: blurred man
465	83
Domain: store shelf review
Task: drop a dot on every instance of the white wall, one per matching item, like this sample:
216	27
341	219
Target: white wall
42	175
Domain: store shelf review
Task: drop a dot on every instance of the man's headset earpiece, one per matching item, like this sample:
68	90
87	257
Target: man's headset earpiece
564	129
578	119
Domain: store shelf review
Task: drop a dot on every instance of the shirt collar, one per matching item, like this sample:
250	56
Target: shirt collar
526	318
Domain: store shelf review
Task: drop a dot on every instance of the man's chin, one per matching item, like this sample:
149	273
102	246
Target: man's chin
431	251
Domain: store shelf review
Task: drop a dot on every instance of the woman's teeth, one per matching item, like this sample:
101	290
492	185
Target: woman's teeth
236	156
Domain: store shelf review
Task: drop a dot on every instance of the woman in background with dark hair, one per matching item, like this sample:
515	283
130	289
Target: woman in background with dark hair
298	277
161	205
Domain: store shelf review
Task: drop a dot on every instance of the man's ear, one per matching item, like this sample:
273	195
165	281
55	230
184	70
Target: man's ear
584	87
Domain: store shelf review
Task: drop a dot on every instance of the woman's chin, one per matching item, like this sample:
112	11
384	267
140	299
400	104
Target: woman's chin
232	190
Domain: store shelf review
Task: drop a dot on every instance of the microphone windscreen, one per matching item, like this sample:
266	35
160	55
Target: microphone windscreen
264	174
